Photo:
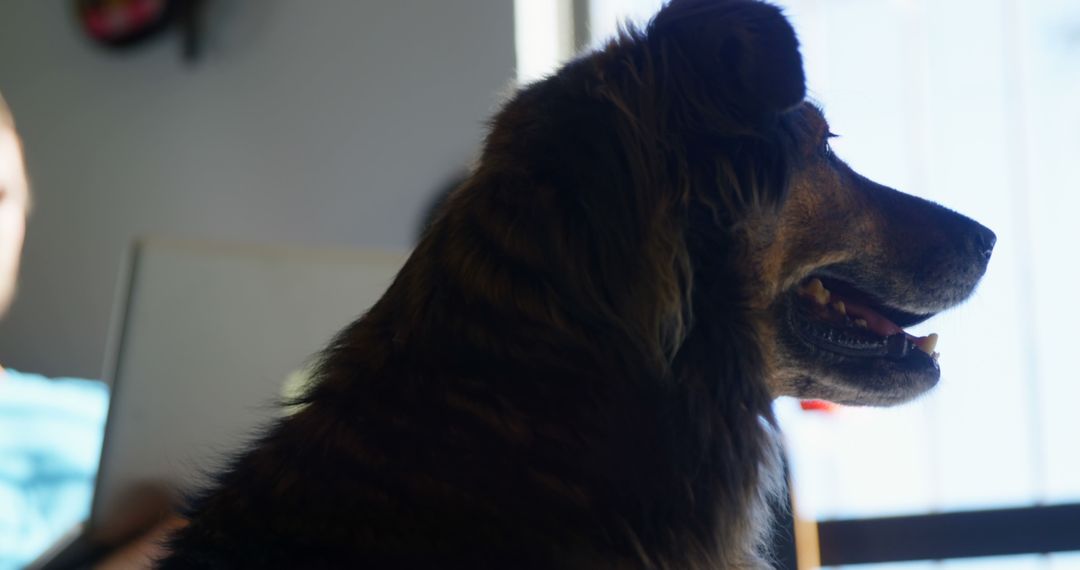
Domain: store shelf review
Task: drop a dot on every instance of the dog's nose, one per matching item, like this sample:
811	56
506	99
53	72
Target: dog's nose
984	240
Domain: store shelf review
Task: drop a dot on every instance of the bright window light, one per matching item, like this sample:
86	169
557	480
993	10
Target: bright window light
973	105
543	32
607	15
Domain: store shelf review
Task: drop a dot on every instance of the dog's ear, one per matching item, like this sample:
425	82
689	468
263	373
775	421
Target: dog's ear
744	51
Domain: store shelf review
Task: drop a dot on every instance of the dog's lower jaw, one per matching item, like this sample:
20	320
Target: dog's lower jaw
798	383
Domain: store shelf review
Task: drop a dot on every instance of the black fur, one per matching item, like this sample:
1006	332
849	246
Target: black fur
564	374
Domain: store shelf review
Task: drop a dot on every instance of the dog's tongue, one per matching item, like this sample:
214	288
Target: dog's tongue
881	325
875	321
859	312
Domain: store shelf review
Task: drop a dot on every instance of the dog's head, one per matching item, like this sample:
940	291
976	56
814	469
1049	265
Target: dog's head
831	264
679	197
844	265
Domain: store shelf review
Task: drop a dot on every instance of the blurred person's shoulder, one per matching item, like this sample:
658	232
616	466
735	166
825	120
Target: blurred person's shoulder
79	396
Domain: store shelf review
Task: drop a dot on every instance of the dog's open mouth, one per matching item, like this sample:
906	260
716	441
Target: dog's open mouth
838	317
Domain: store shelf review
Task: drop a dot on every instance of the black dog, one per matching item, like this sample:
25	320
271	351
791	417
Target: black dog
575	367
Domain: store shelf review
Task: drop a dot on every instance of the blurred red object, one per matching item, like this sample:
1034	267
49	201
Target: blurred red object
120	23
819	406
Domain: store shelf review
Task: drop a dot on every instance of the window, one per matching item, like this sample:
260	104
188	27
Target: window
972	104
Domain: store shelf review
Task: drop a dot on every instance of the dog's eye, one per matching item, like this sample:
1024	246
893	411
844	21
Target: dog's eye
826	150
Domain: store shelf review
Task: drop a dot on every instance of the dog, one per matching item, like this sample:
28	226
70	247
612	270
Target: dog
575	367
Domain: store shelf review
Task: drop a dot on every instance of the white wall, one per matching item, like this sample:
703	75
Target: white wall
312	122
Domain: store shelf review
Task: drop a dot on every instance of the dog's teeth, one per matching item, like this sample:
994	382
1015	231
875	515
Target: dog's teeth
816	290
861	323
839	307
927	343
